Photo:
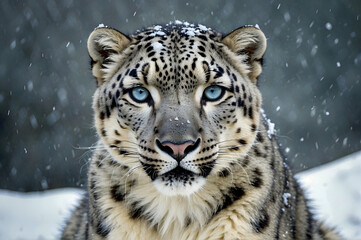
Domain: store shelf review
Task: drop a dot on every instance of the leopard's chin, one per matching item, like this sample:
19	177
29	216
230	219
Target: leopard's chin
179	181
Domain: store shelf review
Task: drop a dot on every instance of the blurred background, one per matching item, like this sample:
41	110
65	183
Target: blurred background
310	83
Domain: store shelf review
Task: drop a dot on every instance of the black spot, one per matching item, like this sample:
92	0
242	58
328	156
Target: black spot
116	193
101	229
253	127
119	76
148	38
151	54
194	63
133	73
149	49
224	173
250	112
136	211
145	71
102	115
155	130
104	132
202	37
202	54
121	84
237	89
188	222
156	67
147	45
242	141
257	152
107	111
263	222
240	102
150	170
244	111
257	180
233	194
114	104
218	75
201	48
99	163
94	190
260	138
234	77
206	169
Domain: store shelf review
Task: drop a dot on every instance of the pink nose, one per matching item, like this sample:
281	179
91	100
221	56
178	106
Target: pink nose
178	149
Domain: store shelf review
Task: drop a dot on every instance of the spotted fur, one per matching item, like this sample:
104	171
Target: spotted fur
175	163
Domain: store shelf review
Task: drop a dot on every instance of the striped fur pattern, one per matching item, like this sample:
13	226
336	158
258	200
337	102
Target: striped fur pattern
184	150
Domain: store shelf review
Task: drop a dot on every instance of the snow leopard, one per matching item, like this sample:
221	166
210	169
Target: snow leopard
184	150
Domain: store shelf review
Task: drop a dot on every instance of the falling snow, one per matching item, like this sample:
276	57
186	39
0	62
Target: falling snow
13	44
328	26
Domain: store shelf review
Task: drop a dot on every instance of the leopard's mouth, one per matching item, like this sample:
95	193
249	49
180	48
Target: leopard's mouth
179	181
178	174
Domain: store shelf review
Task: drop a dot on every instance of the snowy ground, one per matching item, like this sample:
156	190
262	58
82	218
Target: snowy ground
334	188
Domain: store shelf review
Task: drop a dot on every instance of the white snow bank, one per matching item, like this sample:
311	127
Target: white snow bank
334	189
35	215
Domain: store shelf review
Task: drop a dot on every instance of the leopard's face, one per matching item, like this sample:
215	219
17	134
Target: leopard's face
174	106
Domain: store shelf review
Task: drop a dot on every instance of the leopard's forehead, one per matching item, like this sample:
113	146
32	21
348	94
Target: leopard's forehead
177	53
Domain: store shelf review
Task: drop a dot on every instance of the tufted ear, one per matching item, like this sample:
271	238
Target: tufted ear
103	43
249	42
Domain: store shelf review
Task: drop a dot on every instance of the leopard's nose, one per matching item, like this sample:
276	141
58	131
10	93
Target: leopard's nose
178	150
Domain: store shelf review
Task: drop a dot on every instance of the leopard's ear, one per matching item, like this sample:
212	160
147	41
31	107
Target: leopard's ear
250	42
103	43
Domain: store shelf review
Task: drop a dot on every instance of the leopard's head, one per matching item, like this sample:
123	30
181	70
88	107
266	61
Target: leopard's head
177	104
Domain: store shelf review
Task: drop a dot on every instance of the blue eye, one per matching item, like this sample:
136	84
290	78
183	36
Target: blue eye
213	93
139	94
